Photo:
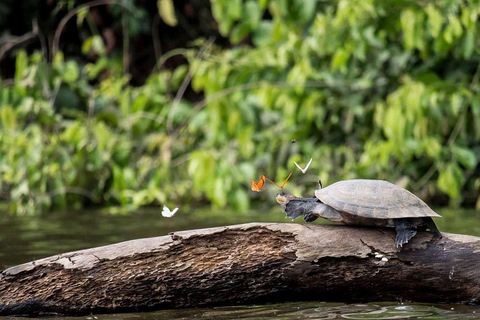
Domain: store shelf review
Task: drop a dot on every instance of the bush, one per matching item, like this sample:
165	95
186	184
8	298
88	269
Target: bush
370	89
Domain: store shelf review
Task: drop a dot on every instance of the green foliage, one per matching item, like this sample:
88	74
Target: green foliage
65	142
370	89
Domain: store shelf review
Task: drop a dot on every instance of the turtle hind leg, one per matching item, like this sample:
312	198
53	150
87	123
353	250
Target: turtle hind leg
406	230
431	226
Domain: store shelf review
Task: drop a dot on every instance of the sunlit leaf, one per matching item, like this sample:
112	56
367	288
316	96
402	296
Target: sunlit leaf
466	157
166	10
8	117
239	32
252	14
435	20
450	180
71	72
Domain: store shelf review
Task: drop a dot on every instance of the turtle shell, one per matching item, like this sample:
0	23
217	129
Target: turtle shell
374	199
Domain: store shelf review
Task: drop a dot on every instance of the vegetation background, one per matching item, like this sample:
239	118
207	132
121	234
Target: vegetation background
129	103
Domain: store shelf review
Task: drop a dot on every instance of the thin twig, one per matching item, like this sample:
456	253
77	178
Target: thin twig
181	159
8	82
160	62
126	43
44	48
157	45
169	54
53	97
146	115
41	37
185	83
18	40
63	22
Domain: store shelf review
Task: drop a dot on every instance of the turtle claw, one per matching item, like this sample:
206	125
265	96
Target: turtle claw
403	236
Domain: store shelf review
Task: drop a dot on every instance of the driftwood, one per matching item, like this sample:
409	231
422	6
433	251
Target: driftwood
242	264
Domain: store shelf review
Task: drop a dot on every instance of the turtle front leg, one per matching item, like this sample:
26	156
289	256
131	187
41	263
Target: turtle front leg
406	230
310	217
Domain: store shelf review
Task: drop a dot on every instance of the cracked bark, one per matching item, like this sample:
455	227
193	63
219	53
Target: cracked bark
249	263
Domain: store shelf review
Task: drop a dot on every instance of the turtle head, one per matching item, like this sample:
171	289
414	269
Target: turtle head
283	198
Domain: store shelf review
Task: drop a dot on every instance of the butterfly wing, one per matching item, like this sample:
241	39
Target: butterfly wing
308	164
306	168
254	186
167	213
261	182
257	186
285	182
298	166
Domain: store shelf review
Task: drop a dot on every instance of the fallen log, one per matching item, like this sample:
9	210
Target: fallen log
243	264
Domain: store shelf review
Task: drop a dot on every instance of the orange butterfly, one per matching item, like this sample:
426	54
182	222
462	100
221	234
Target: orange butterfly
283	184
257	186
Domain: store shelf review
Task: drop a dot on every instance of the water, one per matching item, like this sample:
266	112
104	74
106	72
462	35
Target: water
23	239
303	310
26	238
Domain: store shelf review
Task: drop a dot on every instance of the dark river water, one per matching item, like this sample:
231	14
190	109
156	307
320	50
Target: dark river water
26	238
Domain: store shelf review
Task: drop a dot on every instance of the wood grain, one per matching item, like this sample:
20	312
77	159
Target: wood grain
242	264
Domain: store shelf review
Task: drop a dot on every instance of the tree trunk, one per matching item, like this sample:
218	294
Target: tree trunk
249	263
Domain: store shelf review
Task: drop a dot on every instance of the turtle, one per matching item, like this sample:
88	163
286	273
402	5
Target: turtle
366	202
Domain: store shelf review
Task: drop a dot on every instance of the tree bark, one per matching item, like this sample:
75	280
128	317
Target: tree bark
242	264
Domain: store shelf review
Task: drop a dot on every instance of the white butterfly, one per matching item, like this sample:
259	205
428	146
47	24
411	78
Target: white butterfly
167	213
306	168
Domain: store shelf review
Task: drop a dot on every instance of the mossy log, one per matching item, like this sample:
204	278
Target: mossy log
244	264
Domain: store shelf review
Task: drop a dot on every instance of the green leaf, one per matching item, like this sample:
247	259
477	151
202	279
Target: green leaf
306	9
454	29
94	45
166	10
71	72
81	15
469	43
456	103
435	20
21	64
98	46
234	9
219	195
239	32
475	105
252	14
450	180
263	34
87	45
20	190
466	157
178	76
339	60
8	117
432	147
240	201
407	20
